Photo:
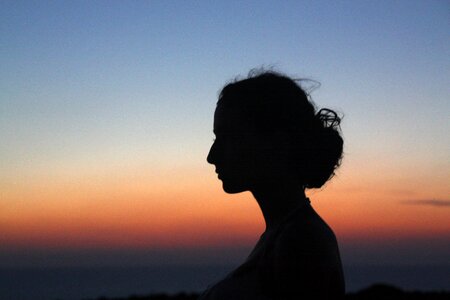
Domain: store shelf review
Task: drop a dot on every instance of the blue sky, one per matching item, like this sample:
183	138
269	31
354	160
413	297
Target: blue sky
145	64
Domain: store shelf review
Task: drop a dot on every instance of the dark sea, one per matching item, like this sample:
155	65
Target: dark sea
88	283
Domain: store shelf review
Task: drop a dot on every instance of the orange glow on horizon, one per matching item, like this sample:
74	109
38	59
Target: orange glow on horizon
188	208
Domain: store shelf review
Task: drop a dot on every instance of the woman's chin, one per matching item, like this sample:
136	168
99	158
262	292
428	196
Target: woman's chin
232	188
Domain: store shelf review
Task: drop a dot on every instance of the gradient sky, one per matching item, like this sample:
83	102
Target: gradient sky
106	111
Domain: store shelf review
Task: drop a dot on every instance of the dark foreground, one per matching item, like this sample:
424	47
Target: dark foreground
374	292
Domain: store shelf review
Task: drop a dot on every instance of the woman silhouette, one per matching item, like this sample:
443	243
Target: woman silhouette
271	141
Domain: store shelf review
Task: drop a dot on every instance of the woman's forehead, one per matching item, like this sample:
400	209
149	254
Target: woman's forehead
231	119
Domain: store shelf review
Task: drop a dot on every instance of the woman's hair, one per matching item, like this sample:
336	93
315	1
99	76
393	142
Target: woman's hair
274	102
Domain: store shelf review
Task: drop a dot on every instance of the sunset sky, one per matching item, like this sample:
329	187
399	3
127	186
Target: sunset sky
106	114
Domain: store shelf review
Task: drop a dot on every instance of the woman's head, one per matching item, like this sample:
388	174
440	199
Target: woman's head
267	129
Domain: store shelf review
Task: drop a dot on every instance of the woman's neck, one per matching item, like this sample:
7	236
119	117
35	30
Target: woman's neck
276	201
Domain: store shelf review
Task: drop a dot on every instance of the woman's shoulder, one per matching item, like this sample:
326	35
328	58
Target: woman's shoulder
306	261
307	232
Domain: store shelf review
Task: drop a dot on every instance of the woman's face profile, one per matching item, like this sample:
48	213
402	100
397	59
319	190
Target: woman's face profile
233	149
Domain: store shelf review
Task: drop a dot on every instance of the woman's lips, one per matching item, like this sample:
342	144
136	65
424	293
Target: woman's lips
219	174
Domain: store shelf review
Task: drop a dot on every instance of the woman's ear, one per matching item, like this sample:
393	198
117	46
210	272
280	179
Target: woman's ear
273	154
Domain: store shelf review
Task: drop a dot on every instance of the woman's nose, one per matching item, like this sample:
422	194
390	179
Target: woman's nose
211	155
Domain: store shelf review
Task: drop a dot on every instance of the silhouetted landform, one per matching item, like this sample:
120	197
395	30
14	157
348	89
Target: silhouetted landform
388	292
378	291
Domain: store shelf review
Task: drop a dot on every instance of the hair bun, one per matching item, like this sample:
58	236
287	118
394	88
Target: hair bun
328	118
326	149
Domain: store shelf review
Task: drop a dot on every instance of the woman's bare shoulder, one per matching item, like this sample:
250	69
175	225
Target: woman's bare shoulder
307	233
